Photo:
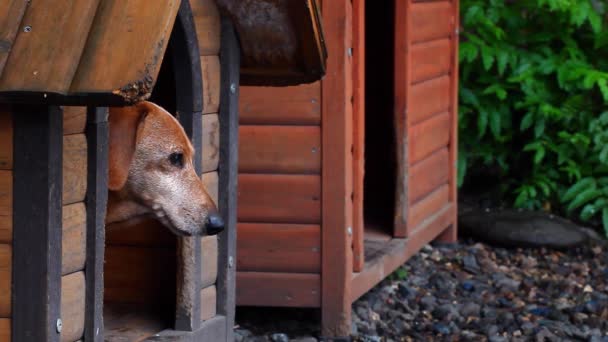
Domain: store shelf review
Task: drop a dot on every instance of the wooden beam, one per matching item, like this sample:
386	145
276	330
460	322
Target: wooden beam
299	290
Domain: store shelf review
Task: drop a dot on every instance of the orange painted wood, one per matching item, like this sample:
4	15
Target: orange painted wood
73	247
6	138
297	105
211	142
72	306
428	206
431	59
45	56
428	136
337	172
280	149
5	330
429	98
210	67
6	206
279	198
428	174
209	256
208	302
284	248
278	289
431	20
207	22
147	232
358	130
11	14
6	266
74	120
74	168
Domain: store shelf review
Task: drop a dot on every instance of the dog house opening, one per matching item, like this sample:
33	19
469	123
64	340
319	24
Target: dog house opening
380	162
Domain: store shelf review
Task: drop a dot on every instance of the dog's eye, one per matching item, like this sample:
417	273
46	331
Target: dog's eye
177	159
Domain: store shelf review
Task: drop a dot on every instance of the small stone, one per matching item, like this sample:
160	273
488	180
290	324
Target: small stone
441	328
470	309
491	330
527	328
469	263
305	339
588	289
279	337
497	338
468	285
428	303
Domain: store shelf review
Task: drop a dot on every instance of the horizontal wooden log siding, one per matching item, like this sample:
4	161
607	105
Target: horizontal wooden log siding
6	219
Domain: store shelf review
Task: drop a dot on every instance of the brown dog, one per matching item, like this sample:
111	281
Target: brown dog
151	172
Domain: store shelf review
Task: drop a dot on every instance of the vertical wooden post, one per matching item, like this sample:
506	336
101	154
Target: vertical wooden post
96	201
228	172
337	169
37	210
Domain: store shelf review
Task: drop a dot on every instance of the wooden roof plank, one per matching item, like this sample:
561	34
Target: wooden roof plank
47	49
11	13
125	48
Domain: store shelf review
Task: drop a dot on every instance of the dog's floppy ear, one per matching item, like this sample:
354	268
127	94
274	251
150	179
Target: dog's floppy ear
124	125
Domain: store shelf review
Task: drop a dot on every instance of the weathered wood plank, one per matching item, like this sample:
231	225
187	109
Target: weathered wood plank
6	265
431	59
431	20
296	105
280	149
74	119
209	251
120	26
11	14
45	56
264	198
5	330
211	142
428	174
6	138
208	303
208	24
427	206
278	289
428	136
74	168
6	206
73	247
210	67
284	248
429	98
72	306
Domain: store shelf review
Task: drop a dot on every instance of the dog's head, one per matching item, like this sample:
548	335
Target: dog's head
151	171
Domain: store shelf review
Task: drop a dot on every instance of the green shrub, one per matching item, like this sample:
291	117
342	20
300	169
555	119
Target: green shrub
534	101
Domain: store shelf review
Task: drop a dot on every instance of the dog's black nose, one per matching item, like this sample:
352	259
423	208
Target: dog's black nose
215	224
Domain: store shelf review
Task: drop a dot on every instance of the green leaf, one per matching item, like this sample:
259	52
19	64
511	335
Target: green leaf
605	220
502	58
584	198
462	167
487	57
539	155
576	189
527	121
588	211
539	127
595	20
495	123
482	123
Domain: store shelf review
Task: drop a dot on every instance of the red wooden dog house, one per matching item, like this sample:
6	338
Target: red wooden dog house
342	180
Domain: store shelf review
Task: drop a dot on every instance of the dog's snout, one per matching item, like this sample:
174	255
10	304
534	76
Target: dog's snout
214	224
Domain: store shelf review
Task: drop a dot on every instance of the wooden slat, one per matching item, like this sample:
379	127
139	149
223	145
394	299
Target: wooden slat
286	248
297	105
6	206
72	306
6	138
148	232
120	26
73	247
428	206
278	289
211	142
431	20
5	330
11	13
74	120
279	198
74	168
211	181
207	21
429	98
208	303
431	59
6	265
428	175
45	56
209	253
429	136
210	67
280	149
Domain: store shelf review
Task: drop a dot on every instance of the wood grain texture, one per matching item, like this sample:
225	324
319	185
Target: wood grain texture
211	181
431	20
264	198
210	67
431	59
121	26
282	248
209	252
73	247
6	206
296	105
428	136
278	289
280	149
428	175
72	306
428	206
207	21
211	142
74	119
6	265
11	14
5	330
6	138
429	98
74	168
45	58
208	303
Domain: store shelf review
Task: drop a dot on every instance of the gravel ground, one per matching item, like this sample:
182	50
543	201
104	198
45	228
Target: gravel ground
467	292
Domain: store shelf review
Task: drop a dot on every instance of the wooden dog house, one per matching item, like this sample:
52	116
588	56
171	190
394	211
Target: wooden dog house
342	180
